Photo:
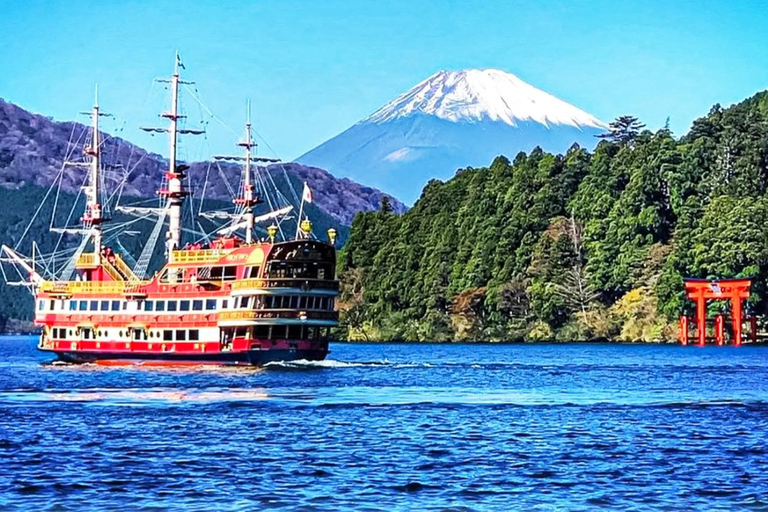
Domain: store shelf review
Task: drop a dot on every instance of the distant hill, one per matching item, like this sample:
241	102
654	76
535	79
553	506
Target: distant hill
452	120
33	147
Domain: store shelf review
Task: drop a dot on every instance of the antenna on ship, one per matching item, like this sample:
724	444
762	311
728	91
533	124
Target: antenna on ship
174	192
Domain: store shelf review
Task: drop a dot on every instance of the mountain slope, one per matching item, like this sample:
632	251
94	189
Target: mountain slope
452	120
33	147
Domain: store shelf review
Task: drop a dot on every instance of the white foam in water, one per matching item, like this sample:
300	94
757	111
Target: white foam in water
304	363
136	396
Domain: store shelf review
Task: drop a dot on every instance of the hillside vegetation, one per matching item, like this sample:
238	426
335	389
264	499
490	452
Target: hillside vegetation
569	247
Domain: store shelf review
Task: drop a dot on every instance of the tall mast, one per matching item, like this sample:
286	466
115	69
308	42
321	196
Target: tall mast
93	218
176	173
175	195
248	201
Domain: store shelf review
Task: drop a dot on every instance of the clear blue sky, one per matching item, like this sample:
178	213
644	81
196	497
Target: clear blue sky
313	68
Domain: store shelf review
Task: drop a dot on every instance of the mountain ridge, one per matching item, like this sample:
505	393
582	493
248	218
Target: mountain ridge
33	148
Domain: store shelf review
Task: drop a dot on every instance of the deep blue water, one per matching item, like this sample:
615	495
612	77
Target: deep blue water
393	427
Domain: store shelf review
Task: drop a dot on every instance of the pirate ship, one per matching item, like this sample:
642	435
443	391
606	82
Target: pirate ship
230	298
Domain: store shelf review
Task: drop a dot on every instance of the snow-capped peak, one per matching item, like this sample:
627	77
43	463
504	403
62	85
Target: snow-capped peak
477	94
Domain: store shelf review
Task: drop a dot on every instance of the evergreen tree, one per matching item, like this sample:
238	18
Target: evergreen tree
623	130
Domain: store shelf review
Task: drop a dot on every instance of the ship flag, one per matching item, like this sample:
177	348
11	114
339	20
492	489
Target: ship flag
306	195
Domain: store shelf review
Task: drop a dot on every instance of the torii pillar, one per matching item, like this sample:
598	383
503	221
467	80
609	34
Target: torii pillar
702	290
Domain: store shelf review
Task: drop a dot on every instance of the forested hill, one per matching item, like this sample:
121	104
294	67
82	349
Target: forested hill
569	247
33	148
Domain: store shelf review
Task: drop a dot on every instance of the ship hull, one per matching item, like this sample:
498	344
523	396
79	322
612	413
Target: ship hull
248	358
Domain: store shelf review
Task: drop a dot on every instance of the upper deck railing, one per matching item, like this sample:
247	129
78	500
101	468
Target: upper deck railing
323	284
73	287
199	255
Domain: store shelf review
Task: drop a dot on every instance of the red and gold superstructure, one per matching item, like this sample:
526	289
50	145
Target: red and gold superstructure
232	303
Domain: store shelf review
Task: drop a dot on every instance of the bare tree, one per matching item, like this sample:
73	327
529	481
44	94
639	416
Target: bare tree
576	291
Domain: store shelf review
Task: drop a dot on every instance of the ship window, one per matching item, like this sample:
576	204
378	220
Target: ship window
172	305
167	335
94	306
240	332
321	273
244	302
224	304
311	302
197	305
302	302
87	333
160	305
149	305
115	305
104	305
40	305
139	335
210	304
194	335
257	302
181	335
261	331
294	332
125	305
72	305
83	305
184	305
268	302
294	302
51	305
252	272
228	273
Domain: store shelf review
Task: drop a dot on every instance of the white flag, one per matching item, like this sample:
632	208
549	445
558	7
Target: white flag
306	196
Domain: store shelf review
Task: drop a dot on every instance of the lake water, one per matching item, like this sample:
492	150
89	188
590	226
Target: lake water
392	427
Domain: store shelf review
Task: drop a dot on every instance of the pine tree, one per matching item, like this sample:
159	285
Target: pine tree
623	130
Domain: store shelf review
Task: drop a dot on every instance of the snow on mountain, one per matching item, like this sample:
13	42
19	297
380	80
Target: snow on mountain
449	121
476	95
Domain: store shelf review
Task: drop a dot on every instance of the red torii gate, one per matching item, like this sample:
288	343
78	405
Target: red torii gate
702	290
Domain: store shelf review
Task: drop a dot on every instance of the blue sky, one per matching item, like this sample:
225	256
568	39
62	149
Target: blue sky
313	68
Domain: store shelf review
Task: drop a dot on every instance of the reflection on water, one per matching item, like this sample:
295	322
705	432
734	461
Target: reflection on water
392	427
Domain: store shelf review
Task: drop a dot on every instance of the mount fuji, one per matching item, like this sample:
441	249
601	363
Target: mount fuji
450	120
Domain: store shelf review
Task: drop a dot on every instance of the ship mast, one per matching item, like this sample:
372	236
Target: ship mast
92	218
176	173
248	200
175	176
